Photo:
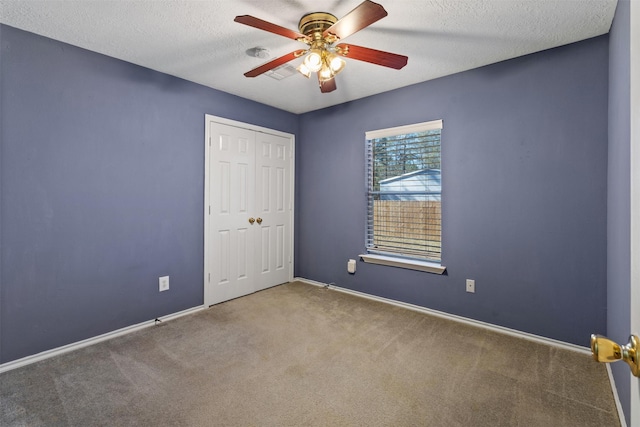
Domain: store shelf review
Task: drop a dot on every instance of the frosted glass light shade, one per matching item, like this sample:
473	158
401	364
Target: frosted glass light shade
313	60
325	73
304	70
335	63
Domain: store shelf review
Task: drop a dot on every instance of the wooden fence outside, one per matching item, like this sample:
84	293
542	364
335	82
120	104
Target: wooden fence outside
414	226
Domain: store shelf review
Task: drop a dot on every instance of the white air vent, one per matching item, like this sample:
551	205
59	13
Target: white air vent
282	72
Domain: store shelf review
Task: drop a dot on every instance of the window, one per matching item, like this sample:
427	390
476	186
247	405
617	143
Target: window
404	192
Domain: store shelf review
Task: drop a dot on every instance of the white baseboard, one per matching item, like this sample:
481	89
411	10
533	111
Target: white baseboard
93	340
456	318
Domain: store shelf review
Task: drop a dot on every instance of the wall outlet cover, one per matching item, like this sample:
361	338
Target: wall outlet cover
163	283
471	285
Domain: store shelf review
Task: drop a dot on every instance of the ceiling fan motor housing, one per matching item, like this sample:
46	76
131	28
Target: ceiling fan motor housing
313	24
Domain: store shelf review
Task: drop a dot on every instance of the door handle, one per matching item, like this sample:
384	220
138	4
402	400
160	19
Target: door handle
251	221
605	350
259	220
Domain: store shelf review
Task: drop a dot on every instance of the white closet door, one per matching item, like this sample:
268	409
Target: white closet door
232	198
248	226
273	207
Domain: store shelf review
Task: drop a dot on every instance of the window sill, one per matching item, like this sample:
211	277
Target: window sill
411	264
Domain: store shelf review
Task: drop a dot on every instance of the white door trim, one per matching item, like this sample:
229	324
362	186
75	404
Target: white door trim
207	203
634	94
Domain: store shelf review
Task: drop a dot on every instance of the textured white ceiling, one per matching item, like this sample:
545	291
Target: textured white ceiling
198	40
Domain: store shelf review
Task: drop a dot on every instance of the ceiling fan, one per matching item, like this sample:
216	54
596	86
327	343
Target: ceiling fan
320	31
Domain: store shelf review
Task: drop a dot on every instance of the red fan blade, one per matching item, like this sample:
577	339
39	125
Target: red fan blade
361	17
373	56
327	85
268	26
275	63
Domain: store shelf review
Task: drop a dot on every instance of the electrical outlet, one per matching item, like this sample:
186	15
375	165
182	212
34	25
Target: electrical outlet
163	283
471	285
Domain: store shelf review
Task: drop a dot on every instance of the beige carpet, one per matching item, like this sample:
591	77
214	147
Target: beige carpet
299	355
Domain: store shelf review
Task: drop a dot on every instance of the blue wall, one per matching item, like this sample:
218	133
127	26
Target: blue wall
102	191
524	181
619	207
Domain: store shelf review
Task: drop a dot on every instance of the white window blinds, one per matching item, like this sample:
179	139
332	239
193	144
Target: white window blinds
405	191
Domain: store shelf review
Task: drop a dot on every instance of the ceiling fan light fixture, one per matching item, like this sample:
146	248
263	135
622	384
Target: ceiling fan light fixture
313	61
325	74
302	69
335	63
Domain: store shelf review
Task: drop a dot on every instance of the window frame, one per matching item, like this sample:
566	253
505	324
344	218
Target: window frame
382	257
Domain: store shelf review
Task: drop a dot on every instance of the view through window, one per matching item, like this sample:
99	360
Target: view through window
405	191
